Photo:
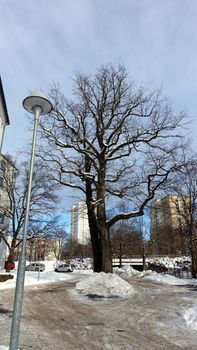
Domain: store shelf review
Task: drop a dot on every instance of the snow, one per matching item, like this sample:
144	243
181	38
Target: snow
128	271
169	262
104	285
166	279
47	276
190	317
3	347
35	278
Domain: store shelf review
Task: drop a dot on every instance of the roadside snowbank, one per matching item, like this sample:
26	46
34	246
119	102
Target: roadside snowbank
33	278
104	285
49	275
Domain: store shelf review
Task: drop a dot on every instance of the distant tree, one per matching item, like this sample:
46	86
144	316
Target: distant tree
126	240
113	142
148	241
56	242
42	205
73	249
184	186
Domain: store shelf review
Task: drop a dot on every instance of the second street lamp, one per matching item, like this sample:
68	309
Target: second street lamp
38	104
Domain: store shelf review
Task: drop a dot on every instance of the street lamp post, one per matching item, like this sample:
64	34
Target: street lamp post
38	104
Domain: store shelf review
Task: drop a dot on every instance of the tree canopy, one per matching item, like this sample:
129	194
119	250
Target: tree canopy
115	143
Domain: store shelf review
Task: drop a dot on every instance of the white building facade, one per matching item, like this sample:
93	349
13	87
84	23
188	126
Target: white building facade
80	230
4	119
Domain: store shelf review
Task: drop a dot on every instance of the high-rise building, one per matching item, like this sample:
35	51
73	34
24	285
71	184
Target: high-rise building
80	230
167	224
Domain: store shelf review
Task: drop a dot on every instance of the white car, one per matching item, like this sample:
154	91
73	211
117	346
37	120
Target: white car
64	268
35	267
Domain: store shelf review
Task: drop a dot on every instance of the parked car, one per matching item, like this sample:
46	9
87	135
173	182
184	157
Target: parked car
64	268
35	267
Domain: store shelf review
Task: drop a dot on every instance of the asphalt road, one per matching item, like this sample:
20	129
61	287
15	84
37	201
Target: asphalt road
56	318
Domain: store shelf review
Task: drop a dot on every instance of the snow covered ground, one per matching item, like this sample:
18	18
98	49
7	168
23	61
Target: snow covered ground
104	285
128	271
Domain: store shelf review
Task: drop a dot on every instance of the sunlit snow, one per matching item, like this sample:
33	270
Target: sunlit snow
190	317
104	285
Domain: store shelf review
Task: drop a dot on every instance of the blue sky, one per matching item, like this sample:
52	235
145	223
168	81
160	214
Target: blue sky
46	40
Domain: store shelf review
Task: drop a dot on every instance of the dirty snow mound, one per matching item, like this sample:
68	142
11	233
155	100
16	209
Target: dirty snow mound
190	317
166	279
128	271
104	285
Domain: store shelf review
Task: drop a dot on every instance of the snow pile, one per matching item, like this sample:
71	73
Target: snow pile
166	279
171	262
190	317
77	264
82	264
104	285
127	271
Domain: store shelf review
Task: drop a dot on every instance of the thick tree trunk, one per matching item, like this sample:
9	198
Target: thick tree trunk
96	244
94	232
100	238
106	251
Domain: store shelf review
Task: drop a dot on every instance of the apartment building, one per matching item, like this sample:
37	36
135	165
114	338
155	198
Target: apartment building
167	224
80	230
4	119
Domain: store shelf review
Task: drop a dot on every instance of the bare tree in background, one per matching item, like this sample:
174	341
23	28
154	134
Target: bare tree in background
113	142
147	241
42	205
56	242
184	186
126	240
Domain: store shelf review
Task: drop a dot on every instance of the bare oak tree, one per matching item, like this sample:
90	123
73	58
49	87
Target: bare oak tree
112	142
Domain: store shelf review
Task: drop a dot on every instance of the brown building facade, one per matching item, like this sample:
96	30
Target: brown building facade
168	224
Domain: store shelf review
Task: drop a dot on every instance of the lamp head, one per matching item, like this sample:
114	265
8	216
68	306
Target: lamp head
37	99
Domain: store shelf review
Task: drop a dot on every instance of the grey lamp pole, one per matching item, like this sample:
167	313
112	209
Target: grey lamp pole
37	103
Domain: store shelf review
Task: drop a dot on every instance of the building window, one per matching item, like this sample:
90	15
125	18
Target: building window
3	166
1	181
1	219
